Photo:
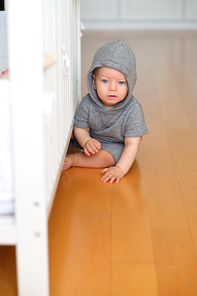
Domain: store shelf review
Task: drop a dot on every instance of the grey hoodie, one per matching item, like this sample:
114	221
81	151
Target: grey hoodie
118	55
126	119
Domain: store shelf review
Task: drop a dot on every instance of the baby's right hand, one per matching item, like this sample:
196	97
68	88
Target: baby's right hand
92	146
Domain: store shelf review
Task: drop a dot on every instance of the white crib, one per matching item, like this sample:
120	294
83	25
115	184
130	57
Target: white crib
44	91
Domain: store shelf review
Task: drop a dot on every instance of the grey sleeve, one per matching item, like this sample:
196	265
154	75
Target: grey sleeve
136	125
82	116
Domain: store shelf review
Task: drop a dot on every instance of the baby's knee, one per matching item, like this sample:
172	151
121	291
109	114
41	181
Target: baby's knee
107	158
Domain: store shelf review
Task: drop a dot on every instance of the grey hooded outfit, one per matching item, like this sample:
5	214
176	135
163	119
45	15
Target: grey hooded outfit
126	119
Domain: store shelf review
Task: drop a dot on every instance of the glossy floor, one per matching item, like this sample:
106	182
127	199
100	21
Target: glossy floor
138	237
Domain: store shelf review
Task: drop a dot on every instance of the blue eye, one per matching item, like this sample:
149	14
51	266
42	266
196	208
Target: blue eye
121	82
105	80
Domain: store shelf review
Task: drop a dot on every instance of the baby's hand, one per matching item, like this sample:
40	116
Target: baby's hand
92	146
111	174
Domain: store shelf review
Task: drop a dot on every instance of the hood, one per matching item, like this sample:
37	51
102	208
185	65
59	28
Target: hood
118	55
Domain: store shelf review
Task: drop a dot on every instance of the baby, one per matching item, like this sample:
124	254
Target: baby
109	122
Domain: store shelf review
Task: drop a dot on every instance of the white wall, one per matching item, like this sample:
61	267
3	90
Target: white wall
139	14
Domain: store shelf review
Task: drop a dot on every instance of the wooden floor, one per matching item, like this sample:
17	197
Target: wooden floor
138	237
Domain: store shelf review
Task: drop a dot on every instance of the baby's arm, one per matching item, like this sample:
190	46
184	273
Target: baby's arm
90	145
125	162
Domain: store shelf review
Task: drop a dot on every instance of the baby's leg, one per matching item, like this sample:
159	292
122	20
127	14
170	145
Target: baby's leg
101	159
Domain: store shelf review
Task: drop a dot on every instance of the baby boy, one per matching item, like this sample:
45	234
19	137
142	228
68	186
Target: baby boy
109	122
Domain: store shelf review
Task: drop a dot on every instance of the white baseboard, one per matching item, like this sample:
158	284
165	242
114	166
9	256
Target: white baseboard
143	26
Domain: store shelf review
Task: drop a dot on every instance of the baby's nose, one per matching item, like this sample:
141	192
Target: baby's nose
112	86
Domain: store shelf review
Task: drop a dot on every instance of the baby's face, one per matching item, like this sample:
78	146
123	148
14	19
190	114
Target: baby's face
111	86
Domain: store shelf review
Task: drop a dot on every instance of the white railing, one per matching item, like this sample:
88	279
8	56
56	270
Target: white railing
61	36
43	107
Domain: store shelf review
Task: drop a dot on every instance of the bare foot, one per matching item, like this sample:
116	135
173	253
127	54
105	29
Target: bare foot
69	161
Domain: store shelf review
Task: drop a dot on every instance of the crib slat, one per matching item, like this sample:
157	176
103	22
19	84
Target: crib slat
65	19
27	93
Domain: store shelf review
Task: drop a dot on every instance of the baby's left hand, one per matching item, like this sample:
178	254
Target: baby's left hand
111	174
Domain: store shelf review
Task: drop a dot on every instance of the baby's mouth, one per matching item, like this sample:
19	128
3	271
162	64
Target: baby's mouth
111	96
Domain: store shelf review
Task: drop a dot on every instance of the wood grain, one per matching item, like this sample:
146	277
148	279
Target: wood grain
138	237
